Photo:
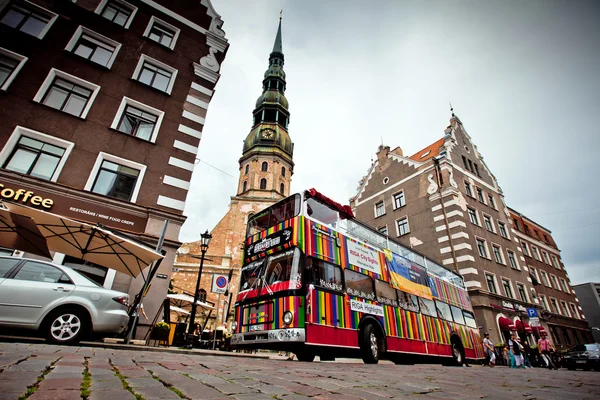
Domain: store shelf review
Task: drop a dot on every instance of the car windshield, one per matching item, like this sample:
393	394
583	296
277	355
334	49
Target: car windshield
78	278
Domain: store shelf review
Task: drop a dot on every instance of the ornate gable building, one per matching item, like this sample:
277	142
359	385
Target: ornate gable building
446	203
266	168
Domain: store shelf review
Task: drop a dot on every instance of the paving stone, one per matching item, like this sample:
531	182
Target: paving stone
102	384
111	395
21	375
198	391
143	382
16	385
55	395
61	384
10	395
156	393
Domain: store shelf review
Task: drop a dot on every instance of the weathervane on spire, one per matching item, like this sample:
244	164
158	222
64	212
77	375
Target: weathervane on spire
451	109
281	14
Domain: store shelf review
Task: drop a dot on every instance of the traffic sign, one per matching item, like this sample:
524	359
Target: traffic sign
534	321
532	313
219	283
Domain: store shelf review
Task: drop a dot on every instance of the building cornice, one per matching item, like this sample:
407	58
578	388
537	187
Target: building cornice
537	242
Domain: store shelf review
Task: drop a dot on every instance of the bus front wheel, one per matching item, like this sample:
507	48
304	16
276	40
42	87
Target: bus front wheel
370	344
305	355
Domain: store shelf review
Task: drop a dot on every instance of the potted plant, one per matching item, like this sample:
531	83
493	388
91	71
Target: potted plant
160	331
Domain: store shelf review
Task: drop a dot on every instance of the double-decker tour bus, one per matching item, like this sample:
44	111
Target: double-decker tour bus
315	281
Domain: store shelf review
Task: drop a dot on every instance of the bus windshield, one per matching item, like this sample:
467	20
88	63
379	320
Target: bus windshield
272	274
277	213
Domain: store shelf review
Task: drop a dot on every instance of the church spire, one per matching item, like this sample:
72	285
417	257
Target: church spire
277	46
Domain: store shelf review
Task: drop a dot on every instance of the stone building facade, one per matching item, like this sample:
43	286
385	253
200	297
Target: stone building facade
102	104
445	202
589	297
266	167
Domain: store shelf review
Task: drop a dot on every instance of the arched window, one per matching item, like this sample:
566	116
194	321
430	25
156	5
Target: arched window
282	171
244	186
247	169
202	295
281	187
265	166
263	183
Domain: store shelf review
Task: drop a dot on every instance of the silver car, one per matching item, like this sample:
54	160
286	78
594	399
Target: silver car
57	301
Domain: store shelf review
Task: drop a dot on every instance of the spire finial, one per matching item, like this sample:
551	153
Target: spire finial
451	109
277	46
280	15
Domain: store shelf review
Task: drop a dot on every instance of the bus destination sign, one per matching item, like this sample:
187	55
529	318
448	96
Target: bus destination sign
273	240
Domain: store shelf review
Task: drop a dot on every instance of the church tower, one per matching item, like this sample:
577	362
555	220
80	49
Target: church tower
266	165
266	168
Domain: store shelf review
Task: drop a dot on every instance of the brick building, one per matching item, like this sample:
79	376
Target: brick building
589	297
102	104
266	167
445	202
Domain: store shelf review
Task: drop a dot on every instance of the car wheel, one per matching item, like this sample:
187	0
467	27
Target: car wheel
66	326
369	345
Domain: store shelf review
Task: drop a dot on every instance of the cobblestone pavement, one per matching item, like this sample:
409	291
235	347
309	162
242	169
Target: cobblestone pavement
39	371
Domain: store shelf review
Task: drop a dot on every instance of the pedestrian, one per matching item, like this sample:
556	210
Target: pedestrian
506	355
544	348
512	343
489	349
139	309
519	350
527	354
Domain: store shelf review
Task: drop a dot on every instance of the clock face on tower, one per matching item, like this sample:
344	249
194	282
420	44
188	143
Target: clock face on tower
268	133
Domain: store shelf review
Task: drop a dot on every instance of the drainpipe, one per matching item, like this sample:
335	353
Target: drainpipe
438	174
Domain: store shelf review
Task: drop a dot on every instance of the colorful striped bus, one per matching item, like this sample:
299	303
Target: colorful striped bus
317	282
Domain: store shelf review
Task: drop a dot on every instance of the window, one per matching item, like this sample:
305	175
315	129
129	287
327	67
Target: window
521	290
457	315
402	225
67	93
546	239
476	169
470	319
491	283
409	302
534	276
544	278
265	166
526	230
34	153
202	295
263	184
6	264
574	312
554	282
464	160
245	186
383	230
512	259
162	32
543	302
564	308
525	249
507	289
487	220
554	306
38	272
94	47
502	229
326	275
516	222
480	195
497	254
555	262
468	189
359	285
155	74
283	171
564	285
470	165
536	255
10	65
473	216
491	201
481	247
137	119
118	11
427	307
546	259
29	18
443	310
399	200
281	188
247	169
379	209
116	177
385	293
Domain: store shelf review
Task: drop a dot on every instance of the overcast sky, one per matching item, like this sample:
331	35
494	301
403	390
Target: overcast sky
523	76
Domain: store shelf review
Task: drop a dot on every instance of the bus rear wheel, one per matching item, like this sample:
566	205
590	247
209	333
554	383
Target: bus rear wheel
370	347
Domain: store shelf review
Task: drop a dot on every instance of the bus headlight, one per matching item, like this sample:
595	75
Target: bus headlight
288	317
233	326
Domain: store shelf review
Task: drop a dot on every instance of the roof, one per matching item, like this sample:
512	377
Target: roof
433	150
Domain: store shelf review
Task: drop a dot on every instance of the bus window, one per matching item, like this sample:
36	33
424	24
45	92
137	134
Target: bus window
470	319
409	302
250	274
277	213
385	293
326	275
359	285
443	310
321	212
282	267
458	315
427	307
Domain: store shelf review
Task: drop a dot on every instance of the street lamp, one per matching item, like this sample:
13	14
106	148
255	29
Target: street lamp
204	242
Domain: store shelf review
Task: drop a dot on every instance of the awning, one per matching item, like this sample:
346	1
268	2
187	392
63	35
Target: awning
539	329
96	244
523	326
506	324
183	300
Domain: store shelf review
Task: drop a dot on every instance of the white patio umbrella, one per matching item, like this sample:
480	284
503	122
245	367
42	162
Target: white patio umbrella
178	310
96	244
183	300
